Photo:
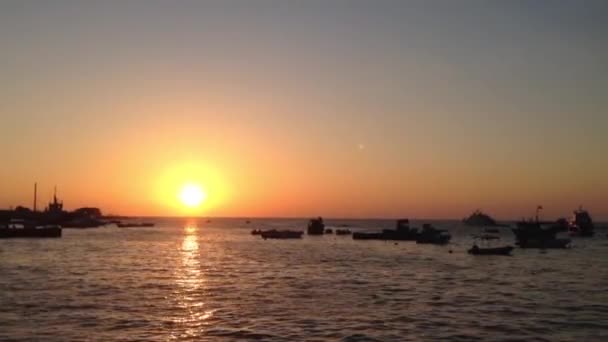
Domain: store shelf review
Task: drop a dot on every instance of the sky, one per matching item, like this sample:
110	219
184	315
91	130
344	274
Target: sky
426	109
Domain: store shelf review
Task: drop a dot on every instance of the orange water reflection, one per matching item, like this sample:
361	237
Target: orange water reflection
189	293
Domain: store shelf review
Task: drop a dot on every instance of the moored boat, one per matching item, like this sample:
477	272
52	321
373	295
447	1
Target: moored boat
22	229
581	223
476	250
486	241
281	234
368	236
316	226
431	235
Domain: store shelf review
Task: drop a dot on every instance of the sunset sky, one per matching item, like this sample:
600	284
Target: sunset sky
426	109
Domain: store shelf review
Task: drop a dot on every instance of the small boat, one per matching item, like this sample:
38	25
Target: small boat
505	250
21	229
581	223
402	232
343	232
135	225
329	231
281	234
256	232
368	236
316	226
484	239
430	234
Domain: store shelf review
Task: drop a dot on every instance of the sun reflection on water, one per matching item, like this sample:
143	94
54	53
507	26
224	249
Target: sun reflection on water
190	290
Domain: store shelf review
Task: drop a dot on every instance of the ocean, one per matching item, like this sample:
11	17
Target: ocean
199	280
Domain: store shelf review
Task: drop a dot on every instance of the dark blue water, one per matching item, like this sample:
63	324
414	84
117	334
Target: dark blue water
215	281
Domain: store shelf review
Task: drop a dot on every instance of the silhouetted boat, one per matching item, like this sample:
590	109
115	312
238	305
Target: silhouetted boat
479	219
430	234
281	234
368	236
402	232
22	229
537	234
316	226
485	240
256	232
505	250
135	225
329	231
581	223
343	232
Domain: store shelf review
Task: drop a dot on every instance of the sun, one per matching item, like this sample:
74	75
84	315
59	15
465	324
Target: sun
192	195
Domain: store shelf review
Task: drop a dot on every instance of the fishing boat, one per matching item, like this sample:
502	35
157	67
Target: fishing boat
431	235
402	232
505	250
485	240
536	234
316	226
23	229
581	223
281	234
368	236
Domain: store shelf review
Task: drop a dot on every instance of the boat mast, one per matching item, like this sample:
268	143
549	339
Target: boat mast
35	195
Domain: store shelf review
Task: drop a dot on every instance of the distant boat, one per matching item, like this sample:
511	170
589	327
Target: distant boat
485	241
135	225
430	234
581	223
505	250
343	232
316	226
479	219
256	232
329	231
368	236
281	234
536	234
22	229
402	232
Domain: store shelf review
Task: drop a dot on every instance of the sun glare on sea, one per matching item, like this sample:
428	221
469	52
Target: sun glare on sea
192	195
